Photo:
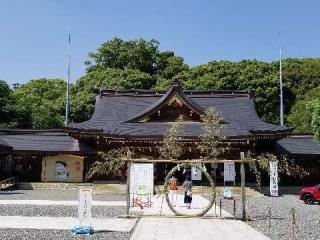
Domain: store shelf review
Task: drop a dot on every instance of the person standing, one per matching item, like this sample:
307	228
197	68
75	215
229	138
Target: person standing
173	190
187	185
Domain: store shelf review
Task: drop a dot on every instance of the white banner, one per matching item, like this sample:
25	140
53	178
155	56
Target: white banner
274	179
84	207
196	174
141	178
229	173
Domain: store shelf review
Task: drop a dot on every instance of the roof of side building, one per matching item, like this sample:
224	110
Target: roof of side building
42	141
298	145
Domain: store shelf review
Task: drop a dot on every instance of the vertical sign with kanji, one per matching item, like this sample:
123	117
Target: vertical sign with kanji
84	207
274	178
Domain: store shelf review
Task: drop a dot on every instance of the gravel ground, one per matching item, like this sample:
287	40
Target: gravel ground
57	211
21	234
308	216
59	195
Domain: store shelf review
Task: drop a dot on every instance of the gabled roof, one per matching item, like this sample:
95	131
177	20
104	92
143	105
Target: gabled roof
302	144
175	91
117	111
42	141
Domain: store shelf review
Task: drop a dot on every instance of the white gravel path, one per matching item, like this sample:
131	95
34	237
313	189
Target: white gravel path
63	203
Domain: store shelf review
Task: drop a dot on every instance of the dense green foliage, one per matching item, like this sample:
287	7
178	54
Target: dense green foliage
11	115
108	164
44	101
140	64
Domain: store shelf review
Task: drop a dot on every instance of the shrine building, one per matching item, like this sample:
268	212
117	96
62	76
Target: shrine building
138	119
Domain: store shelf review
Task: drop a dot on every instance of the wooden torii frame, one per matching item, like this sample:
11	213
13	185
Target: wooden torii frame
242	161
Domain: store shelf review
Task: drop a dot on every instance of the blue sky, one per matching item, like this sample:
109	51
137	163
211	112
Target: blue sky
34	33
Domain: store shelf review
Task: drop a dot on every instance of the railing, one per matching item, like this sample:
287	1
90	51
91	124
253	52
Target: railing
9	183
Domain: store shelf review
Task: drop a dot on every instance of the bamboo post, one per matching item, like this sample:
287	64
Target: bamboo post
243	190
293	223
128	188
247	211
269	221
215	207
234	209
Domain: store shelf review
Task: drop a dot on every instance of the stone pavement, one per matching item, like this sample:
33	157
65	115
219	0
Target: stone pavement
161	208
194	228
65	223
168	227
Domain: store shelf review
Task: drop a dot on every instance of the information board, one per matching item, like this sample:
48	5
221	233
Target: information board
84	207
141	178
229	172
196	174
274	179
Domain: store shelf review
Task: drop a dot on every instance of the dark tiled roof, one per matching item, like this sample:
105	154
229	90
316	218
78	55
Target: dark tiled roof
4	144
298	145
42	141
115	108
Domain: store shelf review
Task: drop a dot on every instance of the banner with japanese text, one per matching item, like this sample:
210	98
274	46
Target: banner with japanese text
274	178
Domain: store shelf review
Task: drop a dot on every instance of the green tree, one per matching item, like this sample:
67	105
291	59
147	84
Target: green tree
211	138
313	109
44	100
138	54
300	116
261	163
10	114
108	164
172	145
5	102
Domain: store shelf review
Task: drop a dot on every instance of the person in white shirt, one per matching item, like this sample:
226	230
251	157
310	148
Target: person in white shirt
173	190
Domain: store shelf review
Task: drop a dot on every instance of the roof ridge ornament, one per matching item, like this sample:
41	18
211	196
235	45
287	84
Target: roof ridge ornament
176	82
174	94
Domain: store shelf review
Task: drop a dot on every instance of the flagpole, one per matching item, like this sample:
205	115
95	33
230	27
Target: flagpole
68	83
281	86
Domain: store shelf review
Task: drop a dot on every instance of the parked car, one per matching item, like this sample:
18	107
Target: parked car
310	194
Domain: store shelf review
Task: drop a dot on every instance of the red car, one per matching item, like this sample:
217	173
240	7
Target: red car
310	194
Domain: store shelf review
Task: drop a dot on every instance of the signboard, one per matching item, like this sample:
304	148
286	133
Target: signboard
229	173
196	174
141	178
274	179
84	207
62	168
227	193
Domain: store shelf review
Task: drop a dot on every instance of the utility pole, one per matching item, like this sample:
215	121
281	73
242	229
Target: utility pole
66	121
281	86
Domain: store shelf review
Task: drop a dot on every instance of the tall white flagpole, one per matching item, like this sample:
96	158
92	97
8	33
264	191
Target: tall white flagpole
66	122
281	86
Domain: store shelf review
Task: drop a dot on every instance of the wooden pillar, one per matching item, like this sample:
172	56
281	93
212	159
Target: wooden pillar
243	187
128	188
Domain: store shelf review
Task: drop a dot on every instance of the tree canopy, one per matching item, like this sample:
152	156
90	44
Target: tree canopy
44	101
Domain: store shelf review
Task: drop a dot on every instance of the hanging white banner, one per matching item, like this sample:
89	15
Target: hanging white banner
229	173
84	207
196	174
141	178
274	178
